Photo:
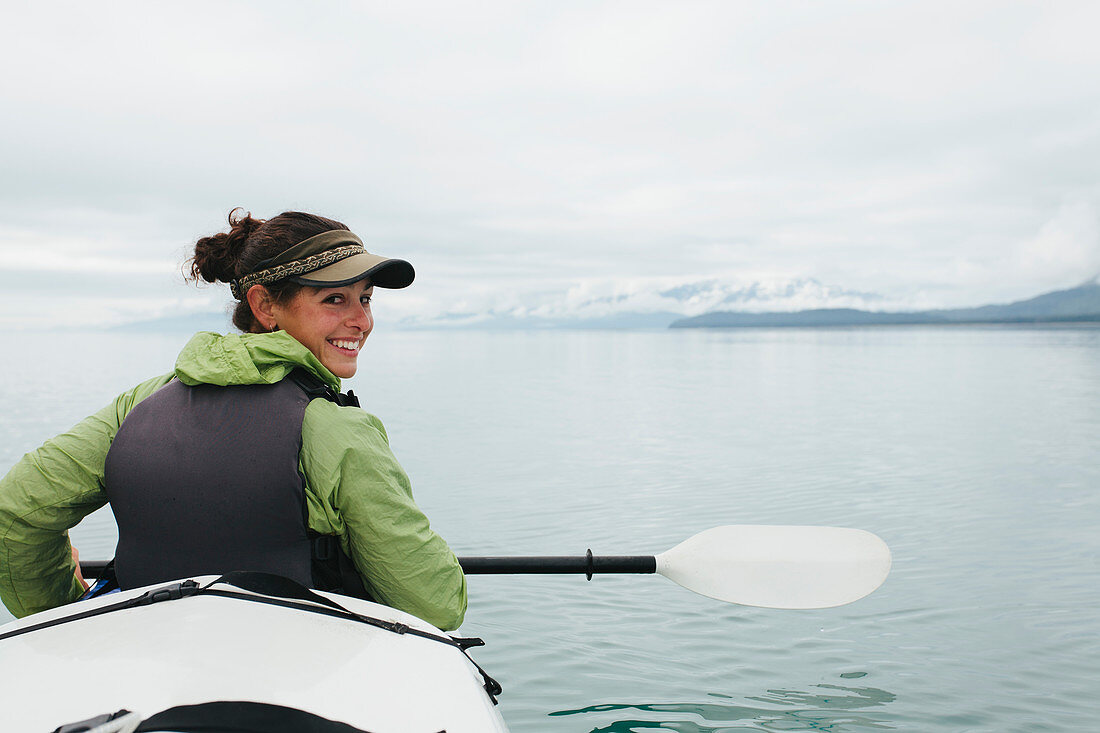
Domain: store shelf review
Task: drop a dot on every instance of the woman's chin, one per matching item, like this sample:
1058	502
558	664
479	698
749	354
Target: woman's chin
341	362
343	371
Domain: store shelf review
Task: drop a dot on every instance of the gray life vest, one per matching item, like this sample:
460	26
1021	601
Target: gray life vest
204	480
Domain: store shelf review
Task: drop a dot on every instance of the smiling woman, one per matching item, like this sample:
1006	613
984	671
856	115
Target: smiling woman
317	289
246	456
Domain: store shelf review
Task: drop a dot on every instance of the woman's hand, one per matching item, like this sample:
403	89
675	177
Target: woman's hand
79	575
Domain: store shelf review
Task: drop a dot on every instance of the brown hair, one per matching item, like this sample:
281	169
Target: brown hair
223	257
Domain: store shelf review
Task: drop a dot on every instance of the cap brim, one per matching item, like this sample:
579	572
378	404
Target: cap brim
381	271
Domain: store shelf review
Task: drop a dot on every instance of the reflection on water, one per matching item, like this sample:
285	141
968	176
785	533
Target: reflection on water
826	708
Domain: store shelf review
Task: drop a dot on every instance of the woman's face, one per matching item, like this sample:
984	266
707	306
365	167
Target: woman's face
333	323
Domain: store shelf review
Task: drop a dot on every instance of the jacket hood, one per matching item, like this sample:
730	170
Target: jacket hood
248	358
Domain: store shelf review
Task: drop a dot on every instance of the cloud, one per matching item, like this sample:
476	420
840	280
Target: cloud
1066	248
514	150
601	298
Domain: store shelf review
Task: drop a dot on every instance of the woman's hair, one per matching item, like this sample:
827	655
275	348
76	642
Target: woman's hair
224	257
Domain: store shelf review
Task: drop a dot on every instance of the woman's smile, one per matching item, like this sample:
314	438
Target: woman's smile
332	323
349	345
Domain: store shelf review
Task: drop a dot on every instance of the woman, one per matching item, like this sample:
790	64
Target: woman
246	457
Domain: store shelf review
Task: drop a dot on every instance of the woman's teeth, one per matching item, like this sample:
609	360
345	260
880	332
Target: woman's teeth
345	344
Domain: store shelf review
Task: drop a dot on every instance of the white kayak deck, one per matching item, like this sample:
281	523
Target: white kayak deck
208	648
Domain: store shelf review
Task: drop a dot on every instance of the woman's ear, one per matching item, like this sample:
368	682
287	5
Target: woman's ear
263	306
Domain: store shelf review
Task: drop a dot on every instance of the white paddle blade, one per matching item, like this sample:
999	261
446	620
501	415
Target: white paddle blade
779	566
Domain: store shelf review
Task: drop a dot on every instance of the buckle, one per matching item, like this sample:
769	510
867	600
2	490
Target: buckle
168	593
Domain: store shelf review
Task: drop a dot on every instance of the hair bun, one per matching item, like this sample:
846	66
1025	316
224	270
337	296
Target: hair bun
217	257
226	256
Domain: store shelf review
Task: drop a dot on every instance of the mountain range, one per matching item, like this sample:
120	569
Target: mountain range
778	303
1079	304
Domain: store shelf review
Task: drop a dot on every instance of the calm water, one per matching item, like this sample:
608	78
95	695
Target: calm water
971	451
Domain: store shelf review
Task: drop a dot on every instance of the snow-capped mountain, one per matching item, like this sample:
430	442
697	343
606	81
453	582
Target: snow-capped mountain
648	303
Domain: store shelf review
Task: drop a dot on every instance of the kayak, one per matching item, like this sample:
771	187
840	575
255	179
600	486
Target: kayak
242	650
255	653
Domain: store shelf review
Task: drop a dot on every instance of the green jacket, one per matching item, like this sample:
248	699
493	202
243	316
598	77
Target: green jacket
354	489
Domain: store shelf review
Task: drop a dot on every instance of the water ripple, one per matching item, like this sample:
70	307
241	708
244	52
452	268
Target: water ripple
825	707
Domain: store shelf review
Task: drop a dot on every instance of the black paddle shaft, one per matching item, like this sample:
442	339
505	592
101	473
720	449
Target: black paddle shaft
92	569
587	564
549	564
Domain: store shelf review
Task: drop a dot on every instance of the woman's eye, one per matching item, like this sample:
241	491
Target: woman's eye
334	299
365	300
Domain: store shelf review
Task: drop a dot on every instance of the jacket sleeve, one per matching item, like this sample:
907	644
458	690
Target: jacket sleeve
45	494
360	492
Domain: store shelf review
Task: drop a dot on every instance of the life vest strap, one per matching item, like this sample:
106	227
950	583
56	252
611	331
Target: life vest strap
315	387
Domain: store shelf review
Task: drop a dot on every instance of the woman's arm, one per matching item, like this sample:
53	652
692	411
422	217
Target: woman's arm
45	494
361	492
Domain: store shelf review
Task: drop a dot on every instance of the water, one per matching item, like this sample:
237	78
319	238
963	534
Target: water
971	451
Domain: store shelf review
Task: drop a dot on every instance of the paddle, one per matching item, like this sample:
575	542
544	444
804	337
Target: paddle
752	565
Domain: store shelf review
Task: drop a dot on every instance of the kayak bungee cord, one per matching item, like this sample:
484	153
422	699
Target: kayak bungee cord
276	590
167	593
272	590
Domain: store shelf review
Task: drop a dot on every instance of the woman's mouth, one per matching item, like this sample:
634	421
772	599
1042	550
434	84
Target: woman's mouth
347	346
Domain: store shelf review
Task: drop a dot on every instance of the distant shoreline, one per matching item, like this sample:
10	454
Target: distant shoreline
1079	321
1079	305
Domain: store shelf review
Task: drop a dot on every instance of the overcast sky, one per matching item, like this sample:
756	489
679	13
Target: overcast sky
538	155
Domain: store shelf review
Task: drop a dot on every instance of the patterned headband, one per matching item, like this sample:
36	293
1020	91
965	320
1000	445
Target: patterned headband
306	256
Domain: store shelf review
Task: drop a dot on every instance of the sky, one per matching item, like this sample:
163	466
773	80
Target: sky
556	159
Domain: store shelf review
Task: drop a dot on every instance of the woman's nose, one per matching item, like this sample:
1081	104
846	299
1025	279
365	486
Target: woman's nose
359	316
